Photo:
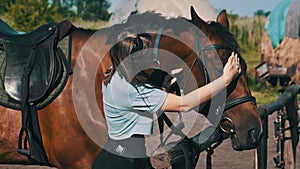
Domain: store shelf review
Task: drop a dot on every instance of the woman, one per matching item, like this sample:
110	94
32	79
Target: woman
130	102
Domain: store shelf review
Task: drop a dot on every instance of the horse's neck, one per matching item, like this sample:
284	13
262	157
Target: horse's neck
89	48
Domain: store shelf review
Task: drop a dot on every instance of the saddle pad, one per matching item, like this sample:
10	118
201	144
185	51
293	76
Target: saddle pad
5	29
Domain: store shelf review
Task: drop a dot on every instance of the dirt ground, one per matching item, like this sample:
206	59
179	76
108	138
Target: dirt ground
224	156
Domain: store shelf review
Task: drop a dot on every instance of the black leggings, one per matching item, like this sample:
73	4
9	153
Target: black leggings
107	160
123	154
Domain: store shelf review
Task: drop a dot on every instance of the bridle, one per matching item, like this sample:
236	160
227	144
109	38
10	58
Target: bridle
230	104
177	129
200	61
238	101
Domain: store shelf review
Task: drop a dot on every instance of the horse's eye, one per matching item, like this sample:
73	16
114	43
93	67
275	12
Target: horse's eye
138	45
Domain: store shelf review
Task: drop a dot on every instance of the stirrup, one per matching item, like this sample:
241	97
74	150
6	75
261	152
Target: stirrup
22	148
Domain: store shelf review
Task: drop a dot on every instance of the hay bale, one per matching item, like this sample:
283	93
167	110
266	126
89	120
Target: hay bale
287	54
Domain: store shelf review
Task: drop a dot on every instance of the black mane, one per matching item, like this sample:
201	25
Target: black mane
148	22
152	22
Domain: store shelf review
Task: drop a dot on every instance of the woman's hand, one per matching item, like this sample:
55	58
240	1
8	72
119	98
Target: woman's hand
232	68
198	96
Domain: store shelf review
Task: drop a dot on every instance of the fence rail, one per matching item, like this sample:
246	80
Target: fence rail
287	101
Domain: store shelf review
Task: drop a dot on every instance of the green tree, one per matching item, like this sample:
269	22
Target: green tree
233	17
4	5
26	15
259	12
93	9
65	8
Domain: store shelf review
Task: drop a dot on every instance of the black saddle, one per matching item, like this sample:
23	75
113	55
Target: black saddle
34	66
31	60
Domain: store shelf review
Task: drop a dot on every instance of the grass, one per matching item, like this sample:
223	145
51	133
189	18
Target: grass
262	91
89	24
265	96
252	58
249	49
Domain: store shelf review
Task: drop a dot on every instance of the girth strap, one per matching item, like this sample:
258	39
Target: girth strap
32	137
30	121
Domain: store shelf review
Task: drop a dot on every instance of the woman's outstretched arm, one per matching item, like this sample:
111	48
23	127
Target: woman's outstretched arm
198	96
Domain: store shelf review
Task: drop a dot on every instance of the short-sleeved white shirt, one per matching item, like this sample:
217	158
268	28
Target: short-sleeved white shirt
129	110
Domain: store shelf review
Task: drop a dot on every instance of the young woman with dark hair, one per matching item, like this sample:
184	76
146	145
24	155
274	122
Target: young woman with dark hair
130	102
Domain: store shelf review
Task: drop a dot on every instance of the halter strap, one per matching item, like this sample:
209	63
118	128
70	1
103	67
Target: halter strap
239	101
156	64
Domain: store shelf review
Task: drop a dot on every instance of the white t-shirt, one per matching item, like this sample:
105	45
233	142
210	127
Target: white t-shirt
129	110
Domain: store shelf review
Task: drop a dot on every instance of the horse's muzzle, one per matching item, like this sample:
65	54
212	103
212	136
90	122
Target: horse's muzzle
245	141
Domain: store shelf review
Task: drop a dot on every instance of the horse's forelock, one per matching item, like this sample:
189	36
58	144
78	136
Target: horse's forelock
151	21
225	35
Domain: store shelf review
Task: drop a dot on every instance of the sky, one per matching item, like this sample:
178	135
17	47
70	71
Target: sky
244	7
240	7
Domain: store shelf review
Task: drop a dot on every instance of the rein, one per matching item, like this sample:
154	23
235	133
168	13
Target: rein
163	117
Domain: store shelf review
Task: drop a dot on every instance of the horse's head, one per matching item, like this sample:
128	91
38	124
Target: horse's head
241	118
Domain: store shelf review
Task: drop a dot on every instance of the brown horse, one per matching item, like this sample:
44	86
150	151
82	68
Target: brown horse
73	128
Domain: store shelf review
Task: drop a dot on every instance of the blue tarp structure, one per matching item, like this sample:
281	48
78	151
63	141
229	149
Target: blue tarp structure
277	22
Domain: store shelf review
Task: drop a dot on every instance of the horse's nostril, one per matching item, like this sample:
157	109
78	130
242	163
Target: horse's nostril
252	136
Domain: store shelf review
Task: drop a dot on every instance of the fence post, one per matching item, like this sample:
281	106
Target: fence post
293	118
262	148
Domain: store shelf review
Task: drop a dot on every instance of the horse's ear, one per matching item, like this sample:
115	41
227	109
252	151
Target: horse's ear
223	19
196	20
